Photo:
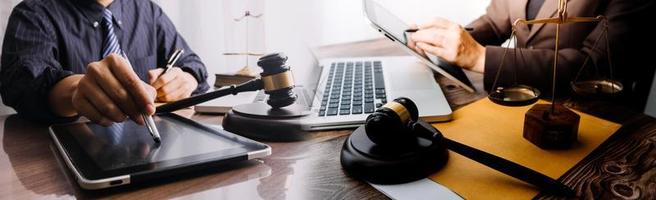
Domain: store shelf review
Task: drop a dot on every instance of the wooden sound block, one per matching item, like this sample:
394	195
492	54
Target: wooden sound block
547	130
261	122
363	159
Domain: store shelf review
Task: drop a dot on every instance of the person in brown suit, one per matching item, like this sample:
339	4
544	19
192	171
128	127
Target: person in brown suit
478	50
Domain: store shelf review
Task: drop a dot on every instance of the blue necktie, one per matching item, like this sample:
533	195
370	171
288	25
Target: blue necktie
111	44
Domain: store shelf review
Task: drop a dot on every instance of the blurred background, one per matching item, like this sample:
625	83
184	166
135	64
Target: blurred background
204	23
288	23
210	28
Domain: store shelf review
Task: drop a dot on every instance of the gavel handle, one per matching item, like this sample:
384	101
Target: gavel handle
510	168
425	130
252	85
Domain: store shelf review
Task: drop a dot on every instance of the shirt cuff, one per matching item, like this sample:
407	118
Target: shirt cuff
493	56
37	107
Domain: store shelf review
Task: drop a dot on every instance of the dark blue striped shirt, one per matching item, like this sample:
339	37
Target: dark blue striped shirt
48	40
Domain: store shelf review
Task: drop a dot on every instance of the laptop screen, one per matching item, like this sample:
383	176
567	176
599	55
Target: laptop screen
307	73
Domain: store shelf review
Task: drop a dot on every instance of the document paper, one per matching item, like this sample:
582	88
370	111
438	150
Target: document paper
498	130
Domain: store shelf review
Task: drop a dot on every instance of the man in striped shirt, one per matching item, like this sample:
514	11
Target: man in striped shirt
67	58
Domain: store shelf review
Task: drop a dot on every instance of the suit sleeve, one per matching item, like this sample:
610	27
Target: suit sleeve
494	27
168	40
29	65
535	66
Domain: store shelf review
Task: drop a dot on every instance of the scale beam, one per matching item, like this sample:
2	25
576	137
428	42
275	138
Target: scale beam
557	20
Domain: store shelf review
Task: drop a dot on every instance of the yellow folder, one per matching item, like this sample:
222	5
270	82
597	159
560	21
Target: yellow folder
498	130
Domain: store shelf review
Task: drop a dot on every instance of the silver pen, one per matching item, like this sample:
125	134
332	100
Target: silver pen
174	58
148	120
150	124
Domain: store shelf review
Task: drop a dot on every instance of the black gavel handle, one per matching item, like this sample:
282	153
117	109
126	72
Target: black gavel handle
252	85
510	168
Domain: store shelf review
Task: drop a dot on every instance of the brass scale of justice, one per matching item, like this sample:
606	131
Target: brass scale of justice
246	69
553	126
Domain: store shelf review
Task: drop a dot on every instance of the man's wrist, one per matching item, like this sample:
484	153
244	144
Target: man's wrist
60	96
190	78
479	66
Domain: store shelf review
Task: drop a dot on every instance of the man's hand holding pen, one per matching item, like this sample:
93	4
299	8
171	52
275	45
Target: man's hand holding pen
110	91
172	85
450	42
171	82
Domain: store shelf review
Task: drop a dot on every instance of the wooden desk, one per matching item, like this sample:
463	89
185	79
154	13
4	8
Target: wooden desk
29	168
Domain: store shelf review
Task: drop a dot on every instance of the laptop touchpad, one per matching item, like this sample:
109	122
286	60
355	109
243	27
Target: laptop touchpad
413	75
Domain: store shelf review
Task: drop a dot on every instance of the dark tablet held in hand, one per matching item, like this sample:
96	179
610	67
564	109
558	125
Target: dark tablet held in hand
396	30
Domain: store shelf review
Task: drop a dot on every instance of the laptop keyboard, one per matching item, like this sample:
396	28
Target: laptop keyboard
353	88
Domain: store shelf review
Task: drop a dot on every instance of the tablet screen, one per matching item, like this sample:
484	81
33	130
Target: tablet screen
127	144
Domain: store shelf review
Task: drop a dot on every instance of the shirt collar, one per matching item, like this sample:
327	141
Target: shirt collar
94	11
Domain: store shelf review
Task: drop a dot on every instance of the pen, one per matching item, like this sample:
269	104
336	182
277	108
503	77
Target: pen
412	30
150	124
148	120
174	58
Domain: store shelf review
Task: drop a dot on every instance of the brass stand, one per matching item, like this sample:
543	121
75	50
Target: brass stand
557	126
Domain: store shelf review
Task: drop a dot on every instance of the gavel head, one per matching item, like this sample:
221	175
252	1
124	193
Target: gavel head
390	124
277	80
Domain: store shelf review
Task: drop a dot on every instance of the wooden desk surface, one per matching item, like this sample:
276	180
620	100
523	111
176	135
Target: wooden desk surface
624	167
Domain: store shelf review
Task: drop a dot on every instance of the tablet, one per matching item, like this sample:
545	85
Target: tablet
125	153
394	29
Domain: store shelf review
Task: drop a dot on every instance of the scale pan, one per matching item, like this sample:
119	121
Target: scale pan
519	95
597	88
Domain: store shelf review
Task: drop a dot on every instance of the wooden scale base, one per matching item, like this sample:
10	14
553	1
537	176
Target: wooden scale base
549	129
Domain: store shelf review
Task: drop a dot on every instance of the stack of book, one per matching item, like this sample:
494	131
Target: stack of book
241	76
231	79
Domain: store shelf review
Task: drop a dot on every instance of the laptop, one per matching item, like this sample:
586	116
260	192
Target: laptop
349	89
342	92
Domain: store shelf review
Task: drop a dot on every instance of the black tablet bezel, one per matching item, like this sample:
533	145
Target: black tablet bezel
448	70
89	170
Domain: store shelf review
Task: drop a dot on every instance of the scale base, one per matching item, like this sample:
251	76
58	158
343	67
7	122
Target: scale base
363	159
547	130
260	121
